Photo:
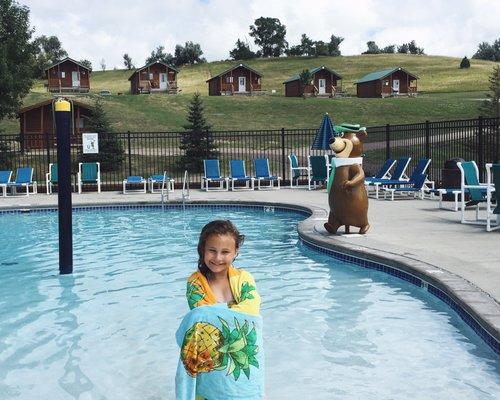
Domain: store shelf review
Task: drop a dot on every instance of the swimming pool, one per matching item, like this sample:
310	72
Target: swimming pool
332	329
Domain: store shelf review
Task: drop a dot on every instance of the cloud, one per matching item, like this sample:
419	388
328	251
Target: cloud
95	29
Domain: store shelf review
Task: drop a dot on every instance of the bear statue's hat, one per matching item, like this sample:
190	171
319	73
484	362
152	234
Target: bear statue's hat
345	127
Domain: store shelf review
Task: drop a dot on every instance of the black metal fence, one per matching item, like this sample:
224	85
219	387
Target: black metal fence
147	153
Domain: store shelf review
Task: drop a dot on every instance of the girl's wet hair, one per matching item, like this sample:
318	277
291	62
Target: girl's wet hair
217	227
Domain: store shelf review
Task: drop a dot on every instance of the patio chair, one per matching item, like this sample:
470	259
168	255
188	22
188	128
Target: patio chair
24	178
238	174
417	188
262	173
398	174
89	172
4	181
318	170
51	177
469	183
383	172
134	180
440	192
296	171
162	180
212	174
493	182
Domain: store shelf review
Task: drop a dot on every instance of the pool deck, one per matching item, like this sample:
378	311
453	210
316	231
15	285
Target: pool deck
414	233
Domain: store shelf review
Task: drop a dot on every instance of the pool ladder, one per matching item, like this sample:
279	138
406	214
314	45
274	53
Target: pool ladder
165	192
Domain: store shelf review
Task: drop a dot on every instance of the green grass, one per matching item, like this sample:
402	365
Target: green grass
446	92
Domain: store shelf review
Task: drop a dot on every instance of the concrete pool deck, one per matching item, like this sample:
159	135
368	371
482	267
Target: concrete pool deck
428	241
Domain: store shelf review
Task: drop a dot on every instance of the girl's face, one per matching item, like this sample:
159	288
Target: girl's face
219	253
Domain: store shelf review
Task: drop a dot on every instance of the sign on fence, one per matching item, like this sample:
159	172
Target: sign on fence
90	143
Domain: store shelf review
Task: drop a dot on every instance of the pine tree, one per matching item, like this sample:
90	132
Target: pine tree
491	106
197	142
465	63
110	149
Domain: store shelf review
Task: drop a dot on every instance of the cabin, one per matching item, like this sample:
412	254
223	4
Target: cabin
157	77
324	83
240	79
67	76
36	124
387	82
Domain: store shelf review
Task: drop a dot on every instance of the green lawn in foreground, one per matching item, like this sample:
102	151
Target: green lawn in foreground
446	93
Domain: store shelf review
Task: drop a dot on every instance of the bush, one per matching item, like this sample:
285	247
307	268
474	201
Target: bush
465	63
6	156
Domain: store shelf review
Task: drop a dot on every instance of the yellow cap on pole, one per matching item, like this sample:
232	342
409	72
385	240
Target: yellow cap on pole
62	105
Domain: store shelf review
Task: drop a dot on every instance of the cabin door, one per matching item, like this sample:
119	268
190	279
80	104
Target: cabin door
163	81
322	86
75	79
395	85
242	84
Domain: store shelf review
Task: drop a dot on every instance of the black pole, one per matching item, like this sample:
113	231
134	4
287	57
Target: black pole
480	148
427	140
283	169
129	154
63	129
387	141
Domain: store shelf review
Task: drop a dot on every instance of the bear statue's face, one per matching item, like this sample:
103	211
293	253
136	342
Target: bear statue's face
349	145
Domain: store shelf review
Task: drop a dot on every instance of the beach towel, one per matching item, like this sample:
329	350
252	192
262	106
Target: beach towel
221	351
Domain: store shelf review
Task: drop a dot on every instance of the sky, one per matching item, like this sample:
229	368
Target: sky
106	29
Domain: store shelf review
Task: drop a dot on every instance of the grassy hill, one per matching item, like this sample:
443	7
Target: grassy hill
446	92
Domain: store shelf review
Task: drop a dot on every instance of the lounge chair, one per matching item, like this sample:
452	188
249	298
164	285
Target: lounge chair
262	173
398	174
417	188
51	177
212	174
134	180
238	174
24	178
469	183
89	172
493	182
4	181
163	181
383	172
296	171
318	170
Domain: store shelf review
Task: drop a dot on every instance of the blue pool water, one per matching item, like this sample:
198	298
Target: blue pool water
332	330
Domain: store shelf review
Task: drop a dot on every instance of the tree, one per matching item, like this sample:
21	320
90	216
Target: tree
372	48
403	49
465	63
307	45
486	51
320	48
197	142
6	156
333	45
127	61
48	51
491	106
391	49
413	49
103	64
189	54
269	35
305	79
294	50
159	54
241	51
86	64
16	60
110	149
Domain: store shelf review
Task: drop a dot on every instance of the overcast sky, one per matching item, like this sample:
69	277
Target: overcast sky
97	29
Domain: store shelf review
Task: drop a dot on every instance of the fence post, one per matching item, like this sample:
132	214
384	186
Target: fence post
47	146
480	149
387	141
497	138
21	142
427	140
129	155
283	169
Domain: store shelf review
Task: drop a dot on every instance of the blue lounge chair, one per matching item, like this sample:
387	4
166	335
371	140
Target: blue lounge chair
417	188
296	171
383	172
420	169
398	174
469	183
238	174
318	170
51	177
134	180
89	172
24	178
163	181
262	173
493	182
4	181
212	174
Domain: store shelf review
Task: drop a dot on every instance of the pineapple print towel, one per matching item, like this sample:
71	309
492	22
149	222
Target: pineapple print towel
221	355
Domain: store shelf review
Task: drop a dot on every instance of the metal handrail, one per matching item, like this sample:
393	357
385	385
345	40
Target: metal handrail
185	188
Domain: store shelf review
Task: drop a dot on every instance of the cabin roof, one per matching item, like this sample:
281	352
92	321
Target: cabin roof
71	60
381	74
234	67
50	101
314	71
153	63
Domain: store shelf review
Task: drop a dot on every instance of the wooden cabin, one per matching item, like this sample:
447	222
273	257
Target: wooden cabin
325	83
156	77
36	121
240	79
387	82
68	76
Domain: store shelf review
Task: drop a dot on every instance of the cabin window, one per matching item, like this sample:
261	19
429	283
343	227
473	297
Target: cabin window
63	74
79	123
150	75
258	81
385	83
229	79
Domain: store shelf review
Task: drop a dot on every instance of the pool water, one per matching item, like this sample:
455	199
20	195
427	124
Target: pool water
332	330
